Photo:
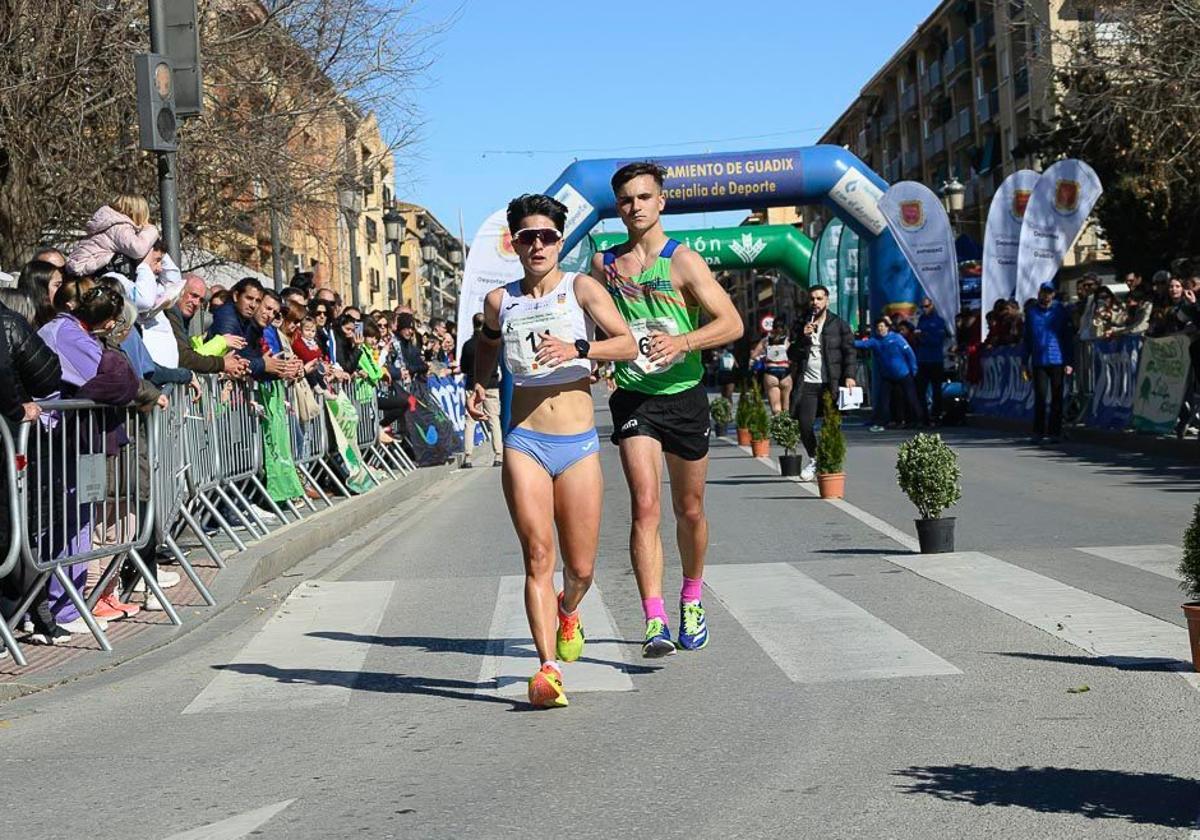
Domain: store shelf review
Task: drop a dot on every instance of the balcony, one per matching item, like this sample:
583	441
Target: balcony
983	32
935	143
908	100
955	58
931	81
960	126
988	106
912	161
887	120
1016	9
1021	83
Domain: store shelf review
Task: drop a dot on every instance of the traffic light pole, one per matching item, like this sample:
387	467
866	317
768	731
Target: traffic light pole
168	196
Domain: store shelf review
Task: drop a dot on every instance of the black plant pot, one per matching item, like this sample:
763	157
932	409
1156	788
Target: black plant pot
790	465
936	536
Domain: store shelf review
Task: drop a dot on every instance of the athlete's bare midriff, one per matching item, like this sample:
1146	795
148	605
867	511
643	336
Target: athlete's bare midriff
564	409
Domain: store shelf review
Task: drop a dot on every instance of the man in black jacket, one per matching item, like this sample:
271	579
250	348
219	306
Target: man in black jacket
823	359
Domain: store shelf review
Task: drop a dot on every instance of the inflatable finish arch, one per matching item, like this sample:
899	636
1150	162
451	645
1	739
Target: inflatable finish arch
828	175
753	246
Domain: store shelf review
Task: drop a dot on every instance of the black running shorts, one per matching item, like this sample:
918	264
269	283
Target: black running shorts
678	421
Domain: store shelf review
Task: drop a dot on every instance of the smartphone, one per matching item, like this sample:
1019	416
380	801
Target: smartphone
358	330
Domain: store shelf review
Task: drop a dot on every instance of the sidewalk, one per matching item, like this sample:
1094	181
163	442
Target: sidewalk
262	562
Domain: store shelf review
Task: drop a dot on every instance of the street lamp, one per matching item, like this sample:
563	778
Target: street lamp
952	199
350	200
393	232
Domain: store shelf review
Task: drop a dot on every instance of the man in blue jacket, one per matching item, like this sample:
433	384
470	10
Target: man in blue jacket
1049	354
238	318
931	359
896	365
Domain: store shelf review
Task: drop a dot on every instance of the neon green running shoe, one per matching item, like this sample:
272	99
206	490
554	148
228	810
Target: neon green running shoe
658	640
568	643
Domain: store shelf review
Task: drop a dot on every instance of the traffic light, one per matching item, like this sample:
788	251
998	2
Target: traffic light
156	102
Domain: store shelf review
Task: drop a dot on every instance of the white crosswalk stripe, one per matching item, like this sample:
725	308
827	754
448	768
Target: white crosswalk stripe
512	658
1094	624
814	634
1159	559
312	632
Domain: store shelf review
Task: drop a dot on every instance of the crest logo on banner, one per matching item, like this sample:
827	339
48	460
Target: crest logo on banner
1020	201
1066	196
921	226
912	215
1058	209
749	248
504	246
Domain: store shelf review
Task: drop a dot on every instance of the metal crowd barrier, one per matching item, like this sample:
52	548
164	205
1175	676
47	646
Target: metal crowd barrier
310	446
90	482
13	551
83	497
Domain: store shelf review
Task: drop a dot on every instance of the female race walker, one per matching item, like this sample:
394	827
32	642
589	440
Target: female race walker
551	451
777	374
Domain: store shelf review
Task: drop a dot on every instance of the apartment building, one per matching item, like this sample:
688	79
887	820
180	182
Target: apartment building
431	264
960	98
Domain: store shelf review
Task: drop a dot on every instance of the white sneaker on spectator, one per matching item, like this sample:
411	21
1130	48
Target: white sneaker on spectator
809	471
265	515
79	627
152	604
165	581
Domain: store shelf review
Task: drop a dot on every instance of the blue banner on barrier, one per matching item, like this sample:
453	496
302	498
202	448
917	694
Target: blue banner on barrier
1004	391
451	396
1114	378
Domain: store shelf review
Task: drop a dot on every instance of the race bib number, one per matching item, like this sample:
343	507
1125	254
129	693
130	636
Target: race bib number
523	334
641	329
777	354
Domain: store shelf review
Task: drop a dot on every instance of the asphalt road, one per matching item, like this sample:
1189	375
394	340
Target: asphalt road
376	691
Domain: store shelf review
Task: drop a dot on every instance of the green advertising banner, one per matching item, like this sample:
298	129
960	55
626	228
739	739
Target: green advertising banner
1162	378
826	261
753	246
848	280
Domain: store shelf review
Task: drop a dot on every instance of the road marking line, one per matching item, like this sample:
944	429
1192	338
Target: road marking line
234	827
1097	625
511	658
1158	559
814	634
1168	629
301	657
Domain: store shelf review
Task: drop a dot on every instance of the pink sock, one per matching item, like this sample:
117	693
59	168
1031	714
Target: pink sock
692	590
653	608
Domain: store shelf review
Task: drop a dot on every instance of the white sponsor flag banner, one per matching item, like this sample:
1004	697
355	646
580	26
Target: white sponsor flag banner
1060	204
491	262
915	216
1002	239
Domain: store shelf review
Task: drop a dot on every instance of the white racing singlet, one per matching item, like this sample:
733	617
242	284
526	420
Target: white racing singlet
525	319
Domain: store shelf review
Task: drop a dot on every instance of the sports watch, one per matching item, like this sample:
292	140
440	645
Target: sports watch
582	347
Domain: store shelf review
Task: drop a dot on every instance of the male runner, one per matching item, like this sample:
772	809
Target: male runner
660	286
552	479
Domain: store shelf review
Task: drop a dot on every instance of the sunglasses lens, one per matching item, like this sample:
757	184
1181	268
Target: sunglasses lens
548	236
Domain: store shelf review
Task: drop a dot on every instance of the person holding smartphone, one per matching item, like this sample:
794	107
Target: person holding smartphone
544	323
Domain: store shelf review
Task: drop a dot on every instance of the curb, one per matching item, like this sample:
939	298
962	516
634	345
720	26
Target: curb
1159	446
261	563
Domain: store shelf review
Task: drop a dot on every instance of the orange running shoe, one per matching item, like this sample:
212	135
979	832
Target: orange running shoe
569	640
546	688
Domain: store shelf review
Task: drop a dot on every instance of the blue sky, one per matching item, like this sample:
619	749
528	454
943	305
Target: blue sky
520	89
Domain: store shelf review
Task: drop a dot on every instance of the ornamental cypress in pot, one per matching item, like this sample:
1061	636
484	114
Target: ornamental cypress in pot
927	471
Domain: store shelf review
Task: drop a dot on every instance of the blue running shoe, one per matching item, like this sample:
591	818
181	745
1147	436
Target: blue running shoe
658	640
693	629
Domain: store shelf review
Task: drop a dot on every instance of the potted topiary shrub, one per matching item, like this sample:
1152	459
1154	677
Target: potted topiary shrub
831	451
1189	572
785	431
721	411
742	418
760	426
927	471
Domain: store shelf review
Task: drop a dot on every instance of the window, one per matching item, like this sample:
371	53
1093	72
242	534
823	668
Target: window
374	280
